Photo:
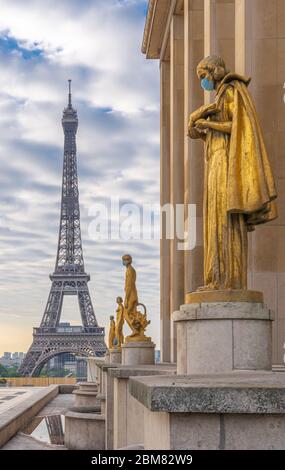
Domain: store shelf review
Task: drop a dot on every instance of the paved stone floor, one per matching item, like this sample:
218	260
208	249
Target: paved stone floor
11	397
57	406
23	442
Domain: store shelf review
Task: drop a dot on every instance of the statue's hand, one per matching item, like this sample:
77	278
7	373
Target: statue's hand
203	113
202	124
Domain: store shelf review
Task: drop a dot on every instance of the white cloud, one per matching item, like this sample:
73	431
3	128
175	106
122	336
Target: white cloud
97	44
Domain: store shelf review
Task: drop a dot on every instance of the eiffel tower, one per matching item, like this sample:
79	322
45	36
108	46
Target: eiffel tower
69	277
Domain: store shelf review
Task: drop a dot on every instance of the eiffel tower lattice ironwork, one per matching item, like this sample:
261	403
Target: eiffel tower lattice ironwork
69	277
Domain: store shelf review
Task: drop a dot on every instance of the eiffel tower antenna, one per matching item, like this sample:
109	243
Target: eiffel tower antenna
69	94
69	276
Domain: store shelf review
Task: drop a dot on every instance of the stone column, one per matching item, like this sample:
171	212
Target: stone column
209	36
219	29
219	32
193	149
176	161
209	27
260	46
165	312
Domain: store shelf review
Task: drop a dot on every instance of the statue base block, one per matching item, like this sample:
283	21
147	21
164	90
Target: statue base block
107	357
84	430
221	337
230	295
136	353
86	395
115	356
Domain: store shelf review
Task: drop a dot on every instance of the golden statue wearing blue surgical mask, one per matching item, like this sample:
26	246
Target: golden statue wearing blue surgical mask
239	189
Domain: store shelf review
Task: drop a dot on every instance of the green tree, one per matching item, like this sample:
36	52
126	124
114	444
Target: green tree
13	371
3	371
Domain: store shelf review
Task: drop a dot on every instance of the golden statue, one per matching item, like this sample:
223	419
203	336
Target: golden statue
119	323
136	320
239	189
112	335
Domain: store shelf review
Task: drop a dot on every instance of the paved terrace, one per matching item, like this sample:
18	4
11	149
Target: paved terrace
12	397
19	405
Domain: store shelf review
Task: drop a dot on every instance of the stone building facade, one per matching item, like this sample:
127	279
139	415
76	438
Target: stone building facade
250	36
215	388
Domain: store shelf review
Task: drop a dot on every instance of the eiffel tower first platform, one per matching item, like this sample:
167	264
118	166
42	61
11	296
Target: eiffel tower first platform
69	277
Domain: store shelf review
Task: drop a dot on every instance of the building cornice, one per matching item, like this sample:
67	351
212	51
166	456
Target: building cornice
157	24
147	27
155	27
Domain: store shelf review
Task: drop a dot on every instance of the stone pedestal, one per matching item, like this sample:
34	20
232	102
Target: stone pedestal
107	357
221	337
91	370
136	353
128	412
237	411
86	395
227	397
94	370
84	431
107	404
115	356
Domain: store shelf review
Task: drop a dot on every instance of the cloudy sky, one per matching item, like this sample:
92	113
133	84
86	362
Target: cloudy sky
97	43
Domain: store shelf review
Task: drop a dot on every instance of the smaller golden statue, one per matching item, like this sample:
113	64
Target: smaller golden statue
136	320
112	335
119	323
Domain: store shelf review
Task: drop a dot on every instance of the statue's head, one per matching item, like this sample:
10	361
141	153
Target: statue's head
119	300
210	71
127	259
111	318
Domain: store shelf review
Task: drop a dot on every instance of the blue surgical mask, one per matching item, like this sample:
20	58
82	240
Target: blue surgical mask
207	84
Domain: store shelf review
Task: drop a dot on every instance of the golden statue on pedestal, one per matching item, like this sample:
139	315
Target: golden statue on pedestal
119	323
112	335
239	188
136	320
128	311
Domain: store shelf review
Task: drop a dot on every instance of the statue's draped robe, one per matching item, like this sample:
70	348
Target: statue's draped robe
120	324
239	188
131	296
111	334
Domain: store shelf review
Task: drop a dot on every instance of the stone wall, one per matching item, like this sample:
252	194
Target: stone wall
250	35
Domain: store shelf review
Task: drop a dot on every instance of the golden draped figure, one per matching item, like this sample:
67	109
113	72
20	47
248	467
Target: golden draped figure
111	333
136	320
119	322
239	189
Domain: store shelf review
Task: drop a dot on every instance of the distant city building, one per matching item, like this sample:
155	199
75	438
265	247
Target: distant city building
70	366
81	368
10	359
